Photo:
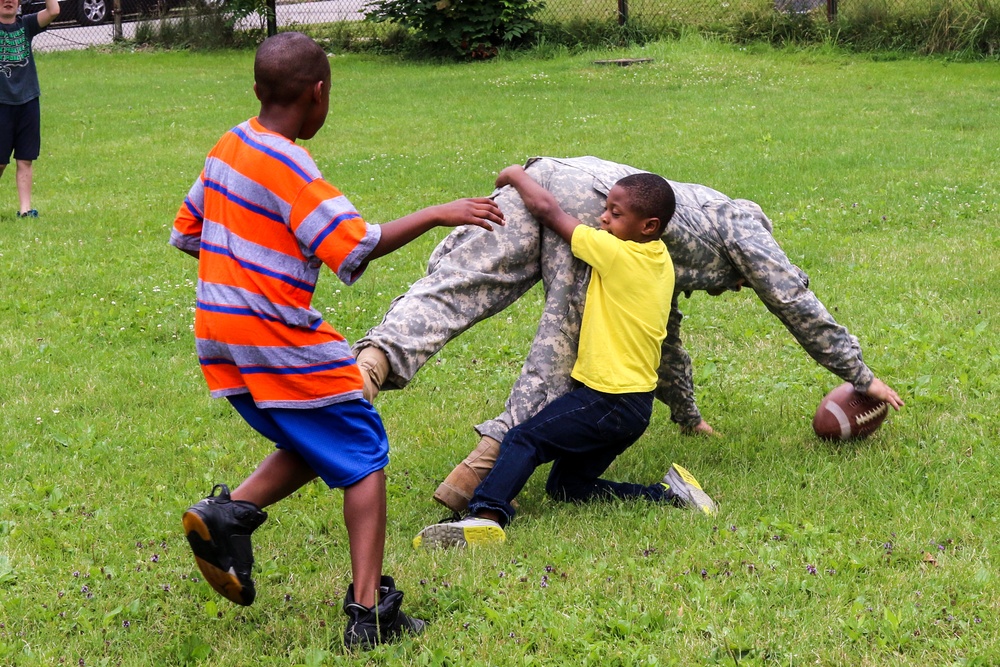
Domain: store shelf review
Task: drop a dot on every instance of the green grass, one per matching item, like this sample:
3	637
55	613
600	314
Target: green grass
880	178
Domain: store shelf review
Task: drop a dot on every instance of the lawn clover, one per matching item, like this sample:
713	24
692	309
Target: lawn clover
811	569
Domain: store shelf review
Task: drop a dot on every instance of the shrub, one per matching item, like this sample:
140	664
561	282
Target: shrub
470	28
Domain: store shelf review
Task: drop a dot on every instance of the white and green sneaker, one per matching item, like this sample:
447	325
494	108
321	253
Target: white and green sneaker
687	491
470	531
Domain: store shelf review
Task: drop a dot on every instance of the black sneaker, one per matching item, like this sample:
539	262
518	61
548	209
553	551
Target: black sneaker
385	622
218	529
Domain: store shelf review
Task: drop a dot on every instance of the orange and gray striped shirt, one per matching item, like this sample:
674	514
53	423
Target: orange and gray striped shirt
264	222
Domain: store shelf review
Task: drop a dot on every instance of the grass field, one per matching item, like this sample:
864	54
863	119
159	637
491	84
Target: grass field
880	178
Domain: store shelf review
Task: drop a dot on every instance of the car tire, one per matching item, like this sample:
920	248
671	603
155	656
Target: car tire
94	12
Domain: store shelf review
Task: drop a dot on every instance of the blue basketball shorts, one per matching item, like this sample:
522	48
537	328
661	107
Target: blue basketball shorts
343	443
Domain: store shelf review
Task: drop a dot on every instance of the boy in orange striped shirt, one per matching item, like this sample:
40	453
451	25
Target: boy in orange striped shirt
262	221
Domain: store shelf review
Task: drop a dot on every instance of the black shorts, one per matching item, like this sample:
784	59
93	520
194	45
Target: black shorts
22	131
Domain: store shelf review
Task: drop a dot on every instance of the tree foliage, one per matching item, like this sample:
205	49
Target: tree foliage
471	28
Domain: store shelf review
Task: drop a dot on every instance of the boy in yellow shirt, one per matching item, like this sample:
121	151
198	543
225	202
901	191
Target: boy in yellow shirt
624	323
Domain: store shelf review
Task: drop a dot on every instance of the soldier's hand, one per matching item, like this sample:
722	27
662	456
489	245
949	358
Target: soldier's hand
884	392
702	428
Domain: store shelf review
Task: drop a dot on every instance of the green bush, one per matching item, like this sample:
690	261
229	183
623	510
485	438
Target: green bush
470	28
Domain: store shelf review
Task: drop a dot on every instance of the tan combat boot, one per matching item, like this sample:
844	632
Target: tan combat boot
456	490
374	367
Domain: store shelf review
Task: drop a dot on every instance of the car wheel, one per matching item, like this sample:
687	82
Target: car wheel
93	12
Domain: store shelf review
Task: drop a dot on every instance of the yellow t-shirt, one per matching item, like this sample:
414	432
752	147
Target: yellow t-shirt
625	317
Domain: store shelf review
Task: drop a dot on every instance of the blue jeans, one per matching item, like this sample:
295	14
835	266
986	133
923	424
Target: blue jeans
582	432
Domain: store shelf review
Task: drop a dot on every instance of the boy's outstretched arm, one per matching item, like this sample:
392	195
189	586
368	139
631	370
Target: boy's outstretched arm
539	201
480	211
49	14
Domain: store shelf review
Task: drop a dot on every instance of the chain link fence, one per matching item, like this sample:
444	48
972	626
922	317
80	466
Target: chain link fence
84	23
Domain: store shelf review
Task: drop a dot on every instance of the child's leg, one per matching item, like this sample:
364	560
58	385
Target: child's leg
568	419
23	176
618	421
364	516
565	423
577	479
519	457
278	476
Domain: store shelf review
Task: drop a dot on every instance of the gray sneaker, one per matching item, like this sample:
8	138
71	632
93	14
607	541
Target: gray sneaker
468	531
687	491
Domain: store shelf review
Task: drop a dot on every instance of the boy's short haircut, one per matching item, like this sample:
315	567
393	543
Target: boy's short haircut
651	196
286	64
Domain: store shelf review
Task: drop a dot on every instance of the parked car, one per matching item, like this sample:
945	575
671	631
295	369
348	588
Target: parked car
93	12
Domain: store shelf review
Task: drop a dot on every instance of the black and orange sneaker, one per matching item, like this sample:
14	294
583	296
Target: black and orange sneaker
218	529
381	624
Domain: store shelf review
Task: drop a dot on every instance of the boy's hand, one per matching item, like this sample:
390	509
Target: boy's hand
508	175
480	211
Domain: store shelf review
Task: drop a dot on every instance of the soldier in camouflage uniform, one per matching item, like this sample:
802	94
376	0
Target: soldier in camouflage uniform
716	244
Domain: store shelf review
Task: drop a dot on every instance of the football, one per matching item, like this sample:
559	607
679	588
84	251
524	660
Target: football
845	414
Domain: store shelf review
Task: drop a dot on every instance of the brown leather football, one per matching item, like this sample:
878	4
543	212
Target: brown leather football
845	414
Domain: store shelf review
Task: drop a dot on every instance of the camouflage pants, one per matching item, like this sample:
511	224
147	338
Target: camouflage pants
474	274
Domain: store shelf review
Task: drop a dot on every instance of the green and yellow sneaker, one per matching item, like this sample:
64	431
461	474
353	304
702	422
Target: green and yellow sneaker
469	531
687	491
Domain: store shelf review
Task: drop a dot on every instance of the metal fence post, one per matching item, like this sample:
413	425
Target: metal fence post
117	10
622	12
831	10
272	18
